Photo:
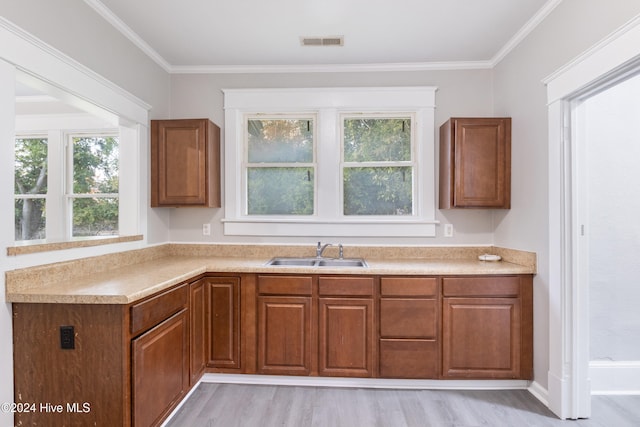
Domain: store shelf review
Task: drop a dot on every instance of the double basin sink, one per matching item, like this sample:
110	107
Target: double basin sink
316	262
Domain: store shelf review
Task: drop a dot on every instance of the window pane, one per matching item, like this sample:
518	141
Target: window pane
378	191
377	140
30	221
30	166
280	191
95	217
95	165
280	141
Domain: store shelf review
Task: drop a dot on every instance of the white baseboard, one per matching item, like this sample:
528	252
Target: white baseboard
539	392
610	377
367	382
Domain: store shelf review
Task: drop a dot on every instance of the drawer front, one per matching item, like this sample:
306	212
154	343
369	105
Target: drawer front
346	286
408	286
408	359
285	285
492	286
408	318
154	310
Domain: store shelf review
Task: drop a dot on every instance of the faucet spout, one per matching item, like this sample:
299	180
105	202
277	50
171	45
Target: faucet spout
320	249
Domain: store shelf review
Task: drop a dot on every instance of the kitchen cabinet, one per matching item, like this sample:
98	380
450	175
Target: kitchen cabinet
346	326
487	327
223	325
409	324
185	163
285	329
475	163
123	364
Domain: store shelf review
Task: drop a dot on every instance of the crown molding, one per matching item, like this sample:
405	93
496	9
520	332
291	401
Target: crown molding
119	24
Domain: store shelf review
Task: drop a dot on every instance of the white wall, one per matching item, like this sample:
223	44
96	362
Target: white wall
460	93
573	27
613	152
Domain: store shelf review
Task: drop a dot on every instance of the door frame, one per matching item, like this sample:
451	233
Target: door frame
614	58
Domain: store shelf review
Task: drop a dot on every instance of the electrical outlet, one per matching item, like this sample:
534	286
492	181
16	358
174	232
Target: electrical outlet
206	229
448	230
67	338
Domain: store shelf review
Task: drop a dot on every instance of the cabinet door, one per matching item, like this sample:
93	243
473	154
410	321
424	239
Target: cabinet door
284	335
160	370
475	163
481	337
223	307
346	337
185	163
197	335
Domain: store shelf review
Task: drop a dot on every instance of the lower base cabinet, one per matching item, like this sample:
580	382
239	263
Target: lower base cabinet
160	370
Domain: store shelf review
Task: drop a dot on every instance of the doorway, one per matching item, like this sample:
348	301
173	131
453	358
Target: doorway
608	202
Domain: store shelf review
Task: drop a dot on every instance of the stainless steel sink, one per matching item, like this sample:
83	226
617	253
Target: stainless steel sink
317	262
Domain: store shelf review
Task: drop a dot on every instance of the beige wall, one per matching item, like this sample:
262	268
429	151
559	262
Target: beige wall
460	93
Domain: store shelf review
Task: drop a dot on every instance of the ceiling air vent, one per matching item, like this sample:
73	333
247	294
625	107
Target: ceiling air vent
322	41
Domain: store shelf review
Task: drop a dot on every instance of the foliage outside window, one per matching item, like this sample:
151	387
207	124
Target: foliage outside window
30	187
377	166
94	197
280	166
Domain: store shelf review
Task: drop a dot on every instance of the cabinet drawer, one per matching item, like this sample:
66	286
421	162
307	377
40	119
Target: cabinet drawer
409	286
493	286
408	358
154	310
408	318
285	285
343	286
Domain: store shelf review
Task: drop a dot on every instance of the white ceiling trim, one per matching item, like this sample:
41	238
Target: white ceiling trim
331	68
525	31
114	20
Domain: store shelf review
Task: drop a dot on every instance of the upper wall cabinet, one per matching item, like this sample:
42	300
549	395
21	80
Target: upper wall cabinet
475	163
185	163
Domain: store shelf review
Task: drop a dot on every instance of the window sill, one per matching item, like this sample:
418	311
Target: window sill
312	228
31	248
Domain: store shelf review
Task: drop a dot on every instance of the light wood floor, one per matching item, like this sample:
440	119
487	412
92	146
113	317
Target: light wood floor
228	405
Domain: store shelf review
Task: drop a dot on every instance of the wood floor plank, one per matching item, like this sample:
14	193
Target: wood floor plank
231	405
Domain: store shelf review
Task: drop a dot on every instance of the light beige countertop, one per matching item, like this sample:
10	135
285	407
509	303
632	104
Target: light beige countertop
130	276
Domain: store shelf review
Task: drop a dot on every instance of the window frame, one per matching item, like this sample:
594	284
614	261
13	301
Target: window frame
246	164
329	104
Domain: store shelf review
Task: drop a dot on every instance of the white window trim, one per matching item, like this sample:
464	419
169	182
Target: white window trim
329	104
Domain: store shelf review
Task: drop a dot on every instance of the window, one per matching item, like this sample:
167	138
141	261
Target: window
280	166
30	184
60	197
377	166
92	191
330	162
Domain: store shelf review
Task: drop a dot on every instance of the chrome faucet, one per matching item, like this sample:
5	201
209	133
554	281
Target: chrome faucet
320	249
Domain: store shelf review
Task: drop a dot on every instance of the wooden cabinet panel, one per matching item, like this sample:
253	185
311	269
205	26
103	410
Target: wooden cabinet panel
160	370
346	286
408	318
475	163
151	311
284	335
198	330
408	286
185	163
285	285
485	286
481	337
223	307
403	358
346	337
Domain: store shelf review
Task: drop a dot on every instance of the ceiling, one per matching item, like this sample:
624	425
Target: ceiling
237	35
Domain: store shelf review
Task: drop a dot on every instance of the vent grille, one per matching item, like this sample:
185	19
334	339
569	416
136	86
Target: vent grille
322	41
